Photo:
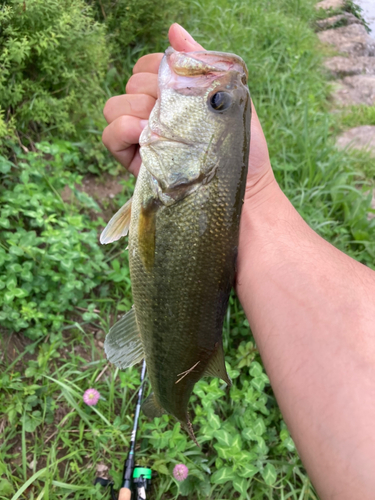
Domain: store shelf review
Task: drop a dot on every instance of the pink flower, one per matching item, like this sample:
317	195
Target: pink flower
91	397
180	472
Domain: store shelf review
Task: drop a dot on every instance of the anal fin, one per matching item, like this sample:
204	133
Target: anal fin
118	226
151	408
123	345
216	366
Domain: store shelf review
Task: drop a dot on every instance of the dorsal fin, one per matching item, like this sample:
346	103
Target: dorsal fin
216	366
123	345
118	226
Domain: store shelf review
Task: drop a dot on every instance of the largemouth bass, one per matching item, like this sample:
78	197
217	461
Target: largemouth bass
183	223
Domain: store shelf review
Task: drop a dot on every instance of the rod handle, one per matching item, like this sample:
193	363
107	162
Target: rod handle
124	494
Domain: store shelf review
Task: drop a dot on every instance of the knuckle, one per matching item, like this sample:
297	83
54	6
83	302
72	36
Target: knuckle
137	64
107	109
122	124
150	103
105	138
116	135
132	85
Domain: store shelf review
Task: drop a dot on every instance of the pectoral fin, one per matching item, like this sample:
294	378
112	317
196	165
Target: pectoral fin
216	366
123	346
118	226
146	233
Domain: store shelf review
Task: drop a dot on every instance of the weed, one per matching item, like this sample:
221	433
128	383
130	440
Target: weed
354	116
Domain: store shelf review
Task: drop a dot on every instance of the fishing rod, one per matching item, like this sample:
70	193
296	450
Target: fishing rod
139	476
136	480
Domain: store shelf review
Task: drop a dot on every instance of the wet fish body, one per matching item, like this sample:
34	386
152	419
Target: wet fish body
184	224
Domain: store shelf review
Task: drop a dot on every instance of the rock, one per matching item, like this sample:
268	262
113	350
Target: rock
102	470
344	19
340	66
352	40
352	90
32	465
358	138
330	4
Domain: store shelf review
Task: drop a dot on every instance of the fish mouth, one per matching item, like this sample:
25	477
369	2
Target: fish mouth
150	137
191	73
205	63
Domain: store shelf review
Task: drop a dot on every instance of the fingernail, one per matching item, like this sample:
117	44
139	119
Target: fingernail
187	36
144	123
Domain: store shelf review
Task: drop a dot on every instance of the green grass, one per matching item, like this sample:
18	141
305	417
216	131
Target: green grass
54	441
51	442
354	116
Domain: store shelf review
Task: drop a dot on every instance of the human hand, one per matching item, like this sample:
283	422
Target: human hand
127	115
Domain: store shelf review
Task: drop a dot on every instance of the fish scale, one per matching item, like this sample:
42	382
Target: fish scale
173	297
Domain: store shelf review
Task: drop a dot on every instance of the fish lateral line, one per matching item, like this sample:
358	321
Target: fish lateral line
186	372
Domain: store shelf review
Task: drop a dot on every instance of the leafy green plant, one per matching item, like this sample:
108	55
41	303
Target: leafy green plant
132	23
53	57
49	254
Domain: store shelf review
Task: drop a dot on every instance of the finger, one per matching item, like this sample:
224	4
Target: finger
126	156
139	105
130	159
181	40
258	158
121	138
148	64
143	83
135	164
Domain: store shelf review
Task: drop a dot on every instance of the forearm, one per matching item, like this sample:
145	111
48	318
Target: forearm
312	312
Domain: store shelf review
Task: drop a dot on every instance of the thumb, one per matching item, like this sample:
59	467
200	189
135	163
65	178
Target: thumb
181	40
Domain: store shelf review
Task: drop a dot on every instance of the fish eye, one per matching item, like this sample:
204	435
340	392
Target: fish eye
220	101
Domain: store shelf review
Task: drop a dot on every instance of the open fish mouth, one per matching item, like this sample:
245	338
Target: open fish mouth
150	137
204	64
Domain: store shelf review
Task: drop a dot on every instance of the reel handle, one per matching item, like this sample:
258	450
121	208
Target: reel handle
124	494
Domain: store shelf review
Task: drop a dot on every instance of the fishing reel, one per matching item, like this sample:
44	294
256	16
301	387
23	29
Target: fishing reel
136	487
141	482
